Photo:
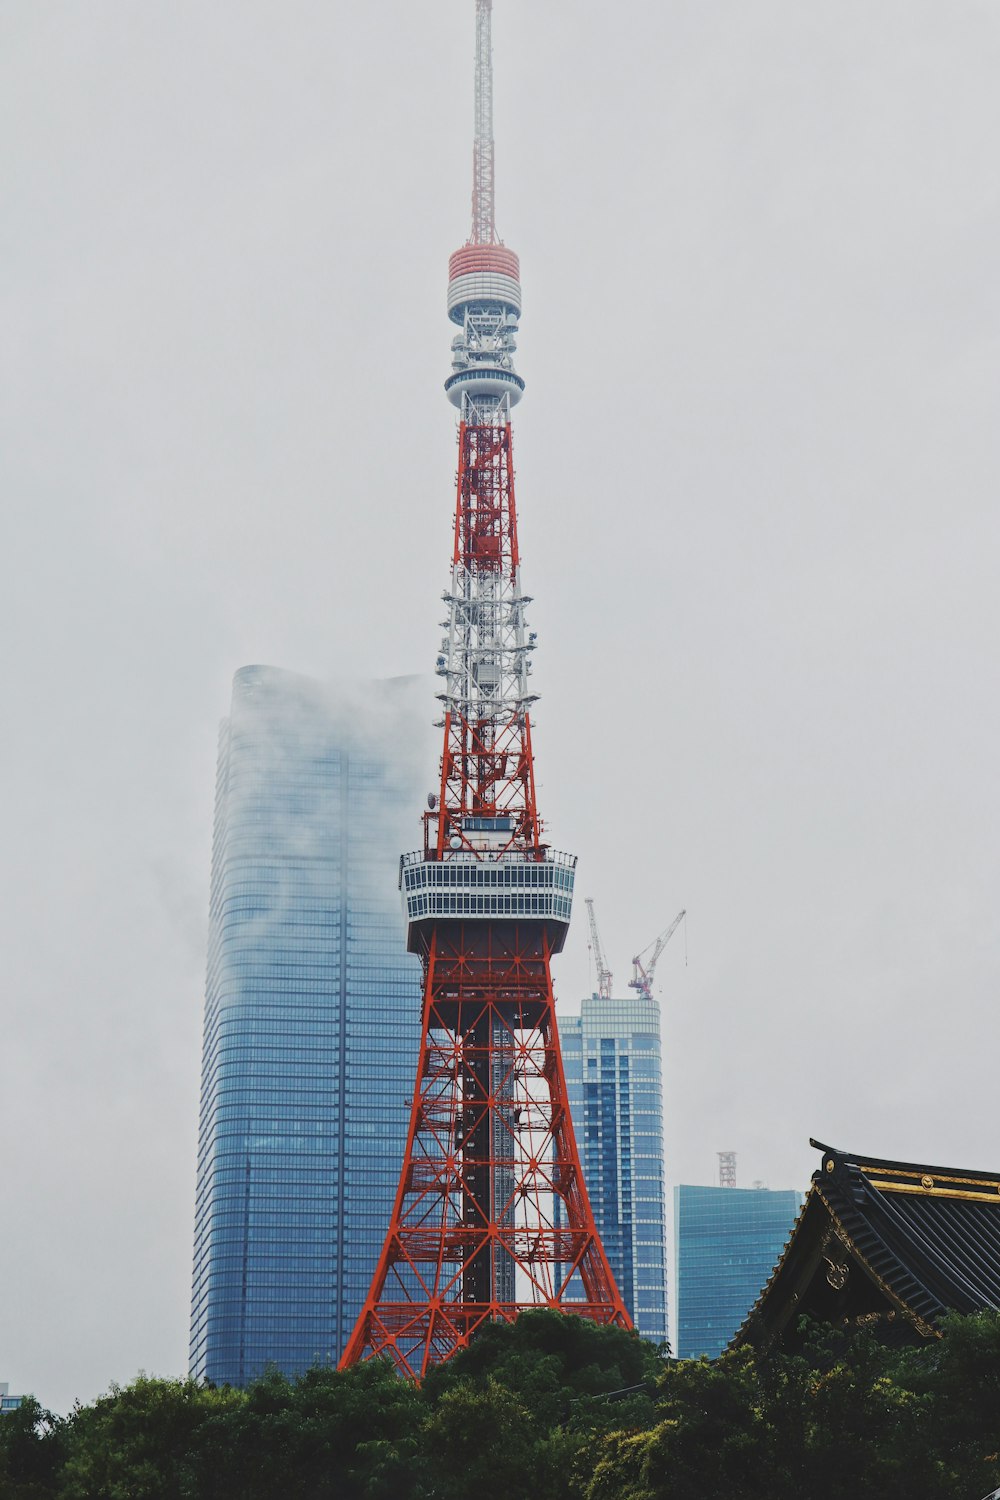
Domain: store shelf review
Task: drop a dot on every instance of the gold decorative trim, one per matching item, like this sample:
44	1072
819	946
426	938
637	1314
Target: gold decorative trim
923	1191
837	1272
988	1184
869	1319
897	1301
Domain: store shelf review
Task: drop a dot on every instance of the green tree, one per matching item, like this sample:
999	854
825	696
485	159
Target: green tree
350	1435
554	1408
713	1436
956	1382
567	1379
32	1450
619	1468
553	1362
865	1431
327	1436
479	1444
136	1442
834	1423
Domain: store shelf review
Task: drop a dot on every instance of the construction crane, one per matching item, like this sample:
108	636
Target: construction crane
604	975
642	973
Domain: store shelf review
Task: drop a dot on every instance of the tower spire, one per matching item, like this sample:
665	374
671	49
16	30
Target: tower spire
483	214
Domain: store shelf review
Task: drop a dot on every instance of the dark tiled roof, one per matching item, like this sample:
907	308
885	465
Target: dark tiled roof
925	1239
932	1234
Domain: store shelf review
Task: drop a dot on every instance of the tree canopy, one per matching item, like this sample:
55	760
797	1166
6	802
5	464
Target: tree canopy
553	1408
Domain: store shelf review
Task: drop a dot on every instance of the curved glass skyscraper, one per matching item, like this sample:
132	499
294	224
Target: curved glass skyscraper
312	1016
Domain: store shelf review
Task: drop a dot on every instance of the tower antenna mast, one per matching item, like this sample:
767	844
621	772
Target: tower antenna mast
483	213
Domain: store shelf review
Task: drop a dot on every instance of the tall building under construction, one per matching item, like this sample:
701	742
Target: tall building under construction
611	1051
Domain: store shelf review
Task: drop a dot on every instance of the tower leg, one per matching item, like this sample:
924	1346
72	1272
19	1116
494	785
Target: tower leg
491	1215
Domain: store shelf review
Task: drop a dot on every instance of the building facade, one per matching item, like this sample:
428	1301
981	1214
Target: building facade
312	1016
728	1240
7	1401
611	1053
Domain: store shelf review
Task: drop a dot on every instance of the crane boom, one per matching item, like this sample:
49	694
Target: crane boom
604	975
642	973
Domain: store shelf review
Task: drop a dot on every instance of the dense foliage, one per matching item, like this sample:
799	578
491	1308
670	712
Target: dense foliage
553	1409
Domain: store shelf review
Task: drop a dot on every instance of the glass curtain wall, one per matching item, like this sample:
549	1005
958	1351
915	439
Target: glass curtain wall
611	1054
312	1015
728	1241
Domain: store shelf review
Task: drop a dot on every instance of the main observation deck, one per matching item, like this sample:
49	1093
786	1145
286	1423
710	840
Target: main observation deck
489	887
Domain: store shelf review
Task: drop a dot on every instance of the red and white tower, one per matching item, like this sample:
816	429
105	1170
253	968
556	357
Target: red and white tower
491	1215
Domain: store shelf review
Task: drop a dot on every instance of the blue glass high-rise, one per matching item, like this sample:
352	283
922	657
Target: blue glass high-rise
728	1241
611	1054
312	1017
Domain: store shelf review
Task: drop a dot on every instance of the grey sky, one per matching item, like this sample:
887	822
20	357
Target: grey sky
757	462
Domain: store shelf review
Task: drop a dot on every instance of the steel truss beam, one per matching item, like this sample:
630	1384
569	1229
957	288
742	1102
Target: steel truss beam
476	1234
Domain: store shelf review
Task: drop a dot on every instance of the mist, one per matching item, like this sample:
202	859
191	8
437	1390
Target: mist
757	468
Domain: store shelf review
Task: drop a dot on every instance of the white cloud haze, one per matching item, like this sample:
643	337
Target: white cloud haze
757	465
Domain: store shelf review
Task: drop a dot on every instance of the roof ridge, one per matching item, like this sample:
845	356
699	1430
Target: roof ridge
867	1163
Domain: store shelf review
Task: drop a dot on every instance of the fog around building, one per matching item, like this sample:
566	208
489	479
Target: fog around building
279	806
312	1010
757	473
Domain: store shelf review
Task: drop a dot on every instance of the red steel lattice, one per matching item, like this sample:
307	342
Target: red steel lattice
491	1214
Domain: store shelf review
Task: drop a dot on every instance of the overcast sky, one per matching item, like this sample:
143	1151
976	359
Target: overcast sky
757	463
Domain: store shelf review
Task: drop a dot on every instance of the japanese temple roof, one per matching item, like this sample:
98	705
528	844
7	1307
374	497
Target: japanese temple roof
884	1242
